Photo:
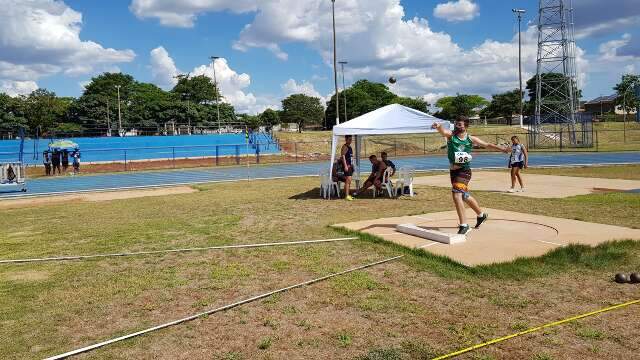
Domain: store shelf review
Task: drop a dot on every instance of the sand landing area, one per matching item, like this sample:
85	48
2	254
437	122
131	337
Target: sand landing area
537	186
95	196
505	237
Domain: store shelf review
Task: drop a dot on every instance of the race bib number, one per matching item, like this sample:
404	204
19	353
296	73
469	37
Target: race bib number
462	157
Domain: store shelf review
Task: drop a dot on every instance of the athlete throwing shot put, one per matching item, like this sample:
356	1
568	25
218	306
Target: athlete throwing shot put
459	147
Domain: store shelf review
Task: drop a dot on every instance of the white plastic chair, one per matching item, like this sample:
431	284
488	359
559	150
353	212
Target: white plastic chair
405	178
327	185
386	183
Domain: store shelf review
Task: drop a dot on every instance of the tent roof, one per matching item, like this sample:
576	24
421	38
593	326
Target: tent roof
390	119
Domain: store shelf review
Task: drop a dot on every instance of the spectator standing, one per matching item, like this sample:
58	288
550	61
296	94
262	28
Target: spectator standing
46	161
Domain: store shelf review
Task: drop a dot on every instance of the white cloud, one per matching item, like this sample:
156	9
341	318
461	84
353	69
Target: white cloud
163	68
232	85
42	37
183	13
461	10
379	42
607	27
432	98
305	87
292	87
14	88
83	84
609	50
595	19
611	60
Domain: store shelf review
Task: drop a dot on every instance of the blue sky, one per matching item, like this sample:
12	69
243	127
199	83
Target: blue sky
274	48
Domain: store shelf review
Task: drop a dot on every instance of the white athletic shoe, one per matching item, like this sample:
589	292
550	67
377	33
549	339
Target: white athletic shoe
522	190
512	190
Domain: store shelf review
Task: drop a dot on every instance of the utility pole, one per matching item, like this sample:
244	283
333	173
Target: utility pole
335	59
519	13
344	90
185	95
215	84
636	85
108	120
119	113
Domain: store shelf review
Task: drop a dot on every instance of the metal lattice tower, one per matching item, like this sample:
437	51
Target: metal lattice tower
556	86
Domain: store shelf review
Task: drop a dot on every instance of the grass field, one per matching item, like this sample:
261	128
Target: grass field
418	307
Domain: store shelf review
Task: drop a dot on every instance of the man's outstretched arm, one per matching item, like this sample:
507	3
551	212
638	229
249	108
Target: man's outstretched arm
479	142
444	132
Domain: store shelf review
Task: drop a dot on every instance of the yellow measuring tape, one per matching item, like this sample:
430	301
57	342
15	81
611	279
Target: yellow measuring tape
460	352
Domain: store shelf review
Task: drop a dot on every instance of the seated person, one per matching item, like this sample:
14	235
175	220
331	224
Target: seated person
377	172
388	162
337	172
11	175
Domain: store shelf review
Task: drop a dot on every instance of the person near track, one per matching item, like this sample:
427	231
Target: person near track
518	160
459	147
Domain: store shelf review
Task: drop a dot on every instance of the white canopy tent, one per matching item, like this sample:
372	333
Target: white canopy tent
392	119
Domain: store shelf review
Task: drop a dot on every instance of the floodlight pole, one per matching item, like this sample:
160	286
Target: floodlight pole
119	113
215	84
344	90
185	95
108	119
519	13
335	60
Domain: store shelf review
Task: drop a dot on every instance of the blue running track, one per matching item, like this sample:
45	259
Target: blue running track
71	184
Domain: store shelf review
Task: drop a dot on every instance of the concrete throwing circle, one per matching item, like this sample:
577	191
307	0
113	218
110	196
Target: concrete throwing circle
502	230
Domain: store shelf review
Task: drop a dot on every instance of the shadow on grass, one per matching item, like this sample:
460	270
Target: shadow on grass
313	194
609	256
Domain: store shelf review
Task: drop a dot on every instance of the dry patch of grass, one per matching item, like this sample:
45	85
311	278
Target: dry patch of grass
418	307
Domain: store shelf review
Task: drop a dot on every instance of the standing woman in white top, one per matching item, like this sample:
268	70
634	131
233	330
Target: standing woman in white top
518	160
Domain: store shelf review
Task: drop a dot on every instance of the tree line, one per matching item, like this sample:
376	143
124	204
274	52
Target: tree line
192	102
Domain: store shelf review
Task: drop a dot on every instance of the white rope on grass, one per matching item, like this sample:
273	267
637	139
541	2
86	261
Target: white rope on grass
213	311
224	247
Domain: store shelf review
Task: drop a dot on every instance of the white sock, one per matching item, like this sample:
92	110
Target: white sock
481	214
464	225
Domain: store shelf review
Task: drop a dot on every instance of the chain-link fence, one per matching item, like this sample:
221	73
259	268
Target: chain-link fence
174	157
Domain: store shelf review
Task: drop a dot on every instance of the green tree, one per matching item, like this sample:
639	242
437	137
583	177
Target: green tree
147	101
625	90
44	110
208	115
11	116
252	122
101	94
365	96
198	89
270	118
362	97
503	105
302	109
461	104
414	103
548	92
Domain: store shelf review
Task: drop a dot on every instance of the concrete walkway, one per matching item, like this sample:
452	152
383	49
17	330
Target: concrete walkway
536	186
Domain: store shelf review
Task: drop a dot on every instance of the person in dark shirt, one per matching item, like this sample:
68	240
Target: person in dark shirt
46	161
378	168
346	155
388	162
55	161
65	160
76	162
